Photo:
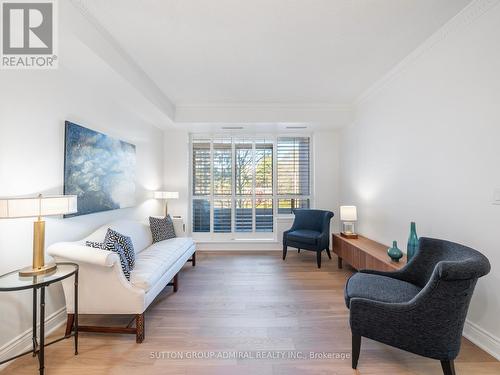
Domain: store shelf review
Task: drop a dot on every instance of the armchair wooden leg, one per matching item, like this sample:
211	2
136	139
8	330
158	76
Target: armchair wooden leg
284	251
318	258
298	250
448	367
328	252
139	326
69	324
356	347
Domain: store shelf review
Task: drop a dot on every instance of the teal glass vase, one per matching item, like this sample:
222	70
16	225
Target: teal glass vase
394	252
412	246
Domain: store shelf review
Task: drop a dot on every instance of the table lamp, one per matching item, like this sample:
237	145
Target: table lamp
38	207
348	215
166	195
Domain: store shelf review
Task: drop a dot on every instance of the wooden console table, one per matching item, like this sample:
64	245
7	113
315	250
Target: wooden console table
363	253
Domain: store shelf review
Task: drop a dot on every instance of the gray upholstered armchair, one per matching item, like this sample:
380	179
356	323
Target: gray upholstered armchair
310	231
420	308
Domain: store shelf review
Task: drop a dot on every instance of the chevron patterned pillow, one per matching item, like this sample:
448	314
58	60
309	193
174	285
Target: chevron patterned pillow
125	242
161	228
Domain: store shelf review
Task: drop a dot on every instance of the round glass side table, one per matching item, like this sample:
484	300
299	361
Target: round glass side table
11	282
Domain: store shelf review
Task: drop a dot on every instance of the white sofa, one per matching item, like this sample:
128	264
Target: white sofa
103	288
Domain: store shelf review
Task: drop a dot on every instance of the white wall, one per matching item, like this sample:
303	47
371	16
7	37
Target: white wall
33	108
176	170
425	147
325	174
326	164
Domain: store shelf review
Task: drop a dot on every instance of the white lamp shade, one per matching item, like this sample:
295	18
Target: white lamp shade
348	213
166	195
38	206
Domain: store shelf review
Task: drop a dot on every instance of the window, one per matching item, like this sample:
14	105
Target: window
222	167
287	205
201	215
293	166
240	184
201	167
293	174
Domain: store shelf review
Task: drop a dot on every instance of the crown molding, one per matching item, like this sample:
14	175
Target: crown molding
464	18
254	113
90	31
258	106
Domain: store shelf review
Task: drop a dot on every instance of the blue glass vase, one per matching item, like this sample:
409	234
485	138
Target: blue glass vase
394	252
412	246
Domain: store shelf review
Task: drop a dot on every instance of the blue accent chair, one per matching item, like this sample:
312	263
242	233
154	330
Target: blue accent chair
310	231
422	307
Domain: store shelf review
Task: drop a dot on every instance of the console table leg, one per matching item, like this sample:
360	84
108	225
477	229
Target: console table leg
76	313
35	303
339	262
41	352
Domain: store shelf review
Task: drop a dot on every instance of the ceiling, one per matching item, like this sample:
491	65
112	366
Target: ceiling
261	52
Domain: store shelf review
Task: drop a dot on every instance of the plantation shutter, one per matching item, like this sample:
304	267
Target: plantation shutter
293	174
201	167
201	175
222	167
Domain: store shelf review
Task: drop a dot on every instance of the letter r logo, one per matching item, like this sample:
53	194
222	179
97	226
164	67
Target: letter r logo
27	28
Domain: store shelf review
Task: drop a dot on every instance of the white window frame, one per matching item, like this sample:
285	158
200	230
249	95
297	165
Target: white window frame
241	236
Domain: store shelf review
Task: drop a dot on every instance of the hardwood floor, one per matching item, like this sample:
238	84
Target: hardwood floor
251	302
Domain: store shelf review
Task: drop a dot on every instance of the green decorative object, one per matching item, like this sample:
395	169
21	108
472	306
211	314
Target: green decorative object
394	252
412	247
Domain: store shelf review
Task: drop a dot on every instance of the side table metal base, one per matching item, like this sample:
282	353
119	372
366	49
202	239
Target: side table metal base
13	281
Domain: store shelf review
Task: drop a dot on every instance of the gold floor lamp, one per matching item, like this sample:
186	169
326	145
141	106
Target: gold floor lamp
38	207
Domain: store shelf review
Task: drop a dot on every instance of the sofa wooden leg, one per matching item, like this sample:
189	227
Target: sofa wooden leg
284	251
69	324
139	326
318	258
328	252
176	282
356	348
193	259
448	367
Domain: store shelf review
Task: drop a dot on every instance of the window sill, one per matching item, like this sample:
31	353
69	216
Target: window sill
237	240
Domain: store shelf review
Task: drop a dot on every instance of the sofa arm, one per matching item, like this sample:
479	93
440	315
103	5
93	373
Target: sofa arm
103	288
78	253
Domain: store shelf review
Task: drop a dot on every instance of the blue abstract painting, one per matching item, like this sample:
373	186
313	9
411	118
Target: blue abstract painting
99	169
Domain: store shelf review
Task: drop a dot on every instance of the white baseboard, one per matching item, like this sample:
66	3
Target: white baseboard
486	341
239	246
23	342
